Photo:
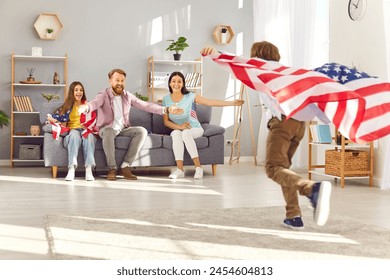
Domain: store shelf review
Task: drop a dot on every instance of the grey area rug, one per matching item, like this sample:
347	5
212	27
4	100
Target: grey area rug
206	234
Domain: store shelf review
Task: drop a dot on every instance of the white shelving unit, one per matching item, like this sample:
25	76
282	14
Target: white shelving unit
155	93
24	119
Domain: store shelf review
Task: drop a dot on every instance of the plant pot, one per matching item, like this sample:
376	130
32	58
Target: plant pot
49	35
176	56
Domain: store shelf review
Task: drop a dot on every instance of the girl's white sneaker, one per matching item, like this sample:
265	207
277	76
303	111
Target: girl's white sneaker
198	173
70	175
88	174
176	174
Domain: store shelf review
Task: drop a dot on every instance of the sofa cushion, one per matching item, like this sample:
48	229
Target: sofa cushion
141	118
153	141
159	126
211	129
204	113
47	128
47	108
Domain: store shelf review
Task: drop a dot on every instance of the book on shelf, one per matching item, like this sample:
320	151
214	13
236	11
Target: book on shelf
23	104
192	79
320	133
17	105
159	79
30	106
26	103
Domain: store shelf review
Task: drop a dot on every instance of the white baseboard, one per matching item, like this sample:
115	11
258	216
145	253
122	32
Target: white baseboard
5	162
242	159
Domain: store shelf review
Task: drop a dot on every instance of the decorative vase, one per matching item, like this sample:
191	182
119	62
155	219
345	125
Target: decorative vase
49	35
176	56
56	78
35	130
30	78
223	35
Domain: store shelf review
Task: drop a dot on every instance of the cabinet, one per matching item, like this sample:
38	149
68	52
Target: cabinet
319	169
26	97
160	70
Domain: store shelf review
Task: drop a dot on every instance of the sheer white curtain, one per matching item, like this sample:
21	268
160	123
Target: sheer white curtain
385	182
300	29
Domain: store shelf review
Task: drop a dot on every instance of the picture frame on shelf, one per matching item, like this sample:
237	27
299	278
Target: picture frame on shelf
36	51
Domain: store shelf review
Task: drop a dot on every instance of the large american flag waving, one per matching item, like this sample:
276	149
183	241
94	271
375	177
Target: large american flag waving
356	103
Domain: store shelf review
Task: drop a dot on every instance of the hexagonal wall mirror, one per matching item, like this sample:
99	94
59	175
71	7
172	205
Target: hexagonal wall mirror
48	26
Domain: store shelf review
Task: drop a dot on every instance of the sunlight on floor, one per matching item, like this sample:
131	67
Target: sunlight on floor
104	245
289	234
23	239
130	222
138	185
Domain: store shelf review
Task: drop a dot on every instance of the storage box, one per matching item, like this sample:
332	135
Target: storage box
29	151
354	160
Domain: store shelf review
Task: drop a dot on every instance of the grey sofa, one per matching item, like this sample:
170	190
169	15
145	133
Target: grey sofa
157	150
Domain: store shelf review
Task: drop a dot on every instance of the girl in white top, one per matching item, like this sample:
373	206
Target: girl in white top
186	127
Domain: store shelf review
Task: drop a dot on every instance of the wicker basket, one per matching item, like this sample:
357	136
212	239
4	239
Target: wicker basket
354	160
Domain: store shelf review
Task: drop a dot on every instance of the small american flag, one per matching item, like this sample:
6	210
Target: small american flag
356	103
193	112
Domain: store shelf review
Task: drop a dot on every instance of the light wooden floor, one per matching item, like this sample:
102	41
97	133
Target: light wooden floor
28	194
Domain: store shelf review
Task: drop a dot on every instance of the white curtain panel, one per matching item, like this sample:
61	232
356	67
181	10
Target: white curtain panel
385	182
300	29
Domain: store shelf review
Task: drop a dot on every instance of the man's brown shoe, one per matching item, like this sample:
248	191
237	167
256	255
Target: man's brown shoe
126	172
111	175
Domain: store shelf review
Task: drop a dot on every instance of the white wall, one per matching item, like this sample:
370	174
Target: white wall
359	43
100	35
362	44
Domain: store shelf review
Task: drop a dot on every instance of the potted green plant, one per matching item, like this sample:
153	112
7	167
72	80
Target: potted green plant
4	119
177	46
140	96
50	96
49	33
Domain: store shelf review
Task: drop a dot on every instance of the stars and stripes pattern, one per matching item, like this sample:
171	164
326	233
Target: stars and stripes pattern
341	73
193	112
58	129
87	120
356	103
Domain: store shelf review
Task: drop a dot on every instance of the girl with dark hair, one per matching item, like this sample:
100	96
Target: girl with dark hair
186	127
68	116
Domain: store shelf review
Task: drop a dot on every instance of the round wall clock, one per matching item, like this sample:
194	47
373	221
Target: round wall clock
357	9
